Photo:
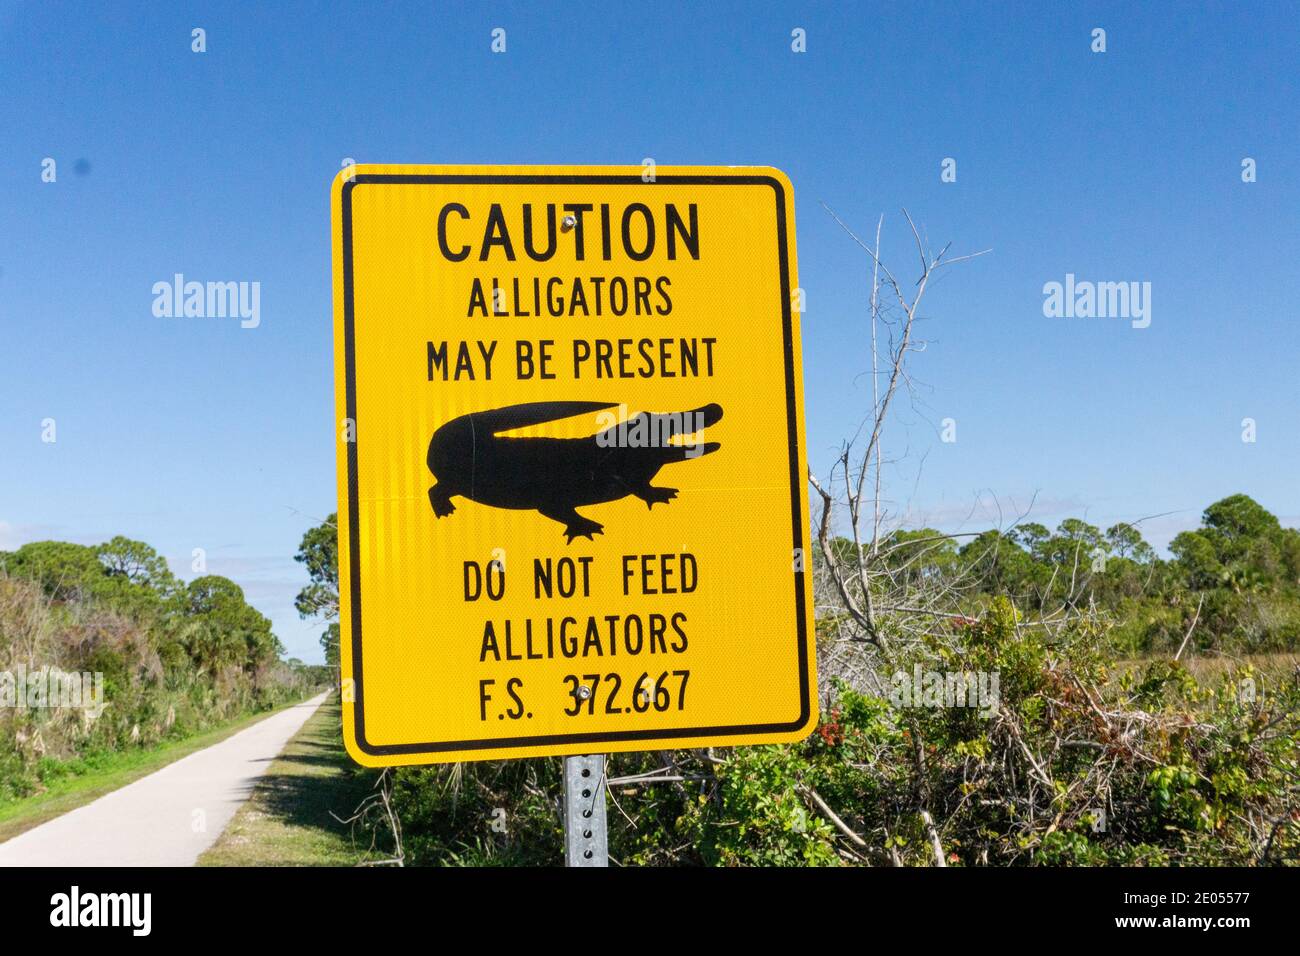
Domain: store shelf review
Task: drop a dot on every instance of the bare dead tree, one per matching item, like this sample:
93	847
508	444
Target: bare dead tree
863	574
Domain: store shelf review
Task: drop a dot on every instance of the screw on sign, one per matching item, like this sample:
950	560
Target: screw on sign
598	375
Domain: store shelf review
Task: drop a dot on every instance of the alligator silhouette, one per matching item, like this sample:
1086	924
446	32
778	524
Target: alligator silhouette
553	476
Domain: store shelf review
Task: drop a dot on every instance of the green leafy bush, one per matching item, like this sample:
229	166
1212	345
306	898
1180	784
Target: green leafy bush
174	658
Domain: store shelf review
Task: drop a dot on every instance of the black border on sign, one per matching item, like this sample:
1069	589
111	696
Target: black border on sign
354	549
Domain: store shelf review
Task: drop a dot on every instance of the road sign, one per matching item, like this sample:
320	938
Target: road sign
572	490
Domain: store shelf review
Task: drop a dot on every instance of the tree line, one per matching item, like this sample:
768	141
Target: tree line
1237	576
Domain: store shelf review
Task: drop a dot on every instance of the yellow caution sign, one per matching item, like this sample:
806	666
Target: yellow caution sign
572	487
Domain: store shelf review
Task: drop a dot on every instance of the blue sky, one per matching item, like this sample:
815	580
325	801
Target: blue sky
1120	166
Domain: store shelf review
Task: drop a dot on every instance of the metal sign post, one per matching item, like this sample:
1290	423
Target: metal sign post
586	837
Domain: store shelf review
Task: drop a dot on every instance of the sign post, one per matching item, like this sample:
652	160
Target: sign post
586	836
572	484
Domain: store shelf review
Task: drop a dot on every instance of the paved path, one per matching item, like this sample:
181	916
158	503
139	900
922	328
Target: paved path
169	817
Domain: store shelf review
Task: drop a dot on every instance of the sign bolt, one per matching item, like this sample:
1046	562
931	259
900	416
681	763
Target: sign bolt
568	222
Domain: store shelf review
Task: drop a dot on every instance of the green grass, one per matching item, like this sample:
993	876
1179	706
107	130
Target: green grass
108	772
293	816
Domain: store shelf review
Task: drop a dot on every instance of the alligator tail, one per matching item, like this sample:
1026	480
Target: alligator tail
462	432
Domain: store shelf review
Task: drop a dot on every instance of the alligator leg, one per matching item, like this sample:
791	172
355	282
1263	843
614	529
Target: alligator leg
653	496
575	525
440	498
